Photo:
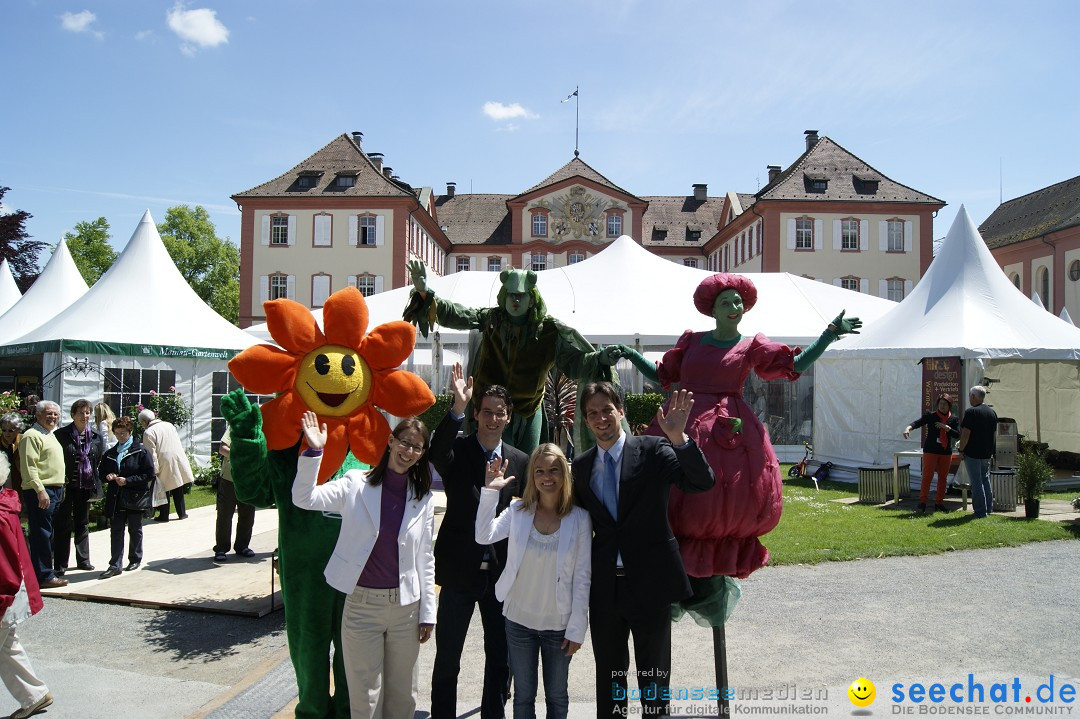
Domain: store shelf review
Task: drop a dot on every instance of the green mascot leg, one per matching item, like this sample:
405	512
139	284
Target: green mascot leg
524	432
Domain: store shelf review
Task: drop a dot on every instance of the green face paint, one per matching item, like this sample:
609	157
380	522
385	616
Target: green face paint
728	312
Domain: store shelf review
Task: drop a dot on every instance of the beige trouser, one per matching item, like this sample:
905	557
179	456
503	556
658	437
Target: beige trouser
16	672
380	640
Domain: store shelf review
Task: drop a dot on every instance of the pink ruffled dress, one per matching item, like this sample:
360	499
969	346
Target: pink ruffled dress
718	530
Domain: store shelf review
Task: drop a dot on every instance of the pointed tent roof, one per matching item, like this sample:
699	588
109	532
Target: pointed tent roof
141	306
965	305
57	287
9	291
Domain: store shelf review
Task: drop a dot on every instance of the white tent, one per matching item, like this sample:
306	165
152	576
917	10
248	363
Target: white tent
9	291
55	289
869	386
627	294
140	323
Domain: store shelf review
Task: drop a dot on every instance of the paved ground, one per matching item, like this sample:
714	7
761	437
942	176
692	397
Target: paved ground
996	614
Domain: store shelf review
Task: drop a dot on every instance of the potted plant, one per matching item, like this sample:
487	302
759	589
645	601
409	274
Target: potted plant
1032	475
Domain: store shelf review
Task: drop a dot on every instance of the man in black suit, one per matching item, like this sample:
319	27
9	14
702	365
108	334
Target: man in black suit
467	571
637	572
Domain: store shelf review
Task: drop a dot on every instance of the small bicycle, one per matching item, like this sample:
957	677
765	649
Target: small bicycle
799	470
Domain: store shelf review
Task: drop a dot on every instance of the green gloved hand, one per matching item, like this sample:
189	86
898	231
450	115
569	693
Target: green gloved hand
841	326
244	418
736	425
646	366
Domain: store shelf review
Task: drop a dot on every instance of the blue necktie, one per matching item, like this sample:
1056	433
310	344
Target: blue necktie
611	481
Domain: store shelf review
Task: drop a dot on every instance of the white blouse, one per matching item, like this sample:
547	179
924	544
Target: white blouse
531	600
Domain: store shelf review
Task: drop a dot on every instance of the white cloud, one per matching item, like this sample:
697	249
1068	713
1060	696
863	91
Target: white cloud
143	35
80	22
197	28
499	112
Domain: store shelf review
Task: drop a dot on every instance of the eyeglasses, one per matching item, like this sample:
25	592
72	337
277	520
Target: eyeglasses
488	414
410	446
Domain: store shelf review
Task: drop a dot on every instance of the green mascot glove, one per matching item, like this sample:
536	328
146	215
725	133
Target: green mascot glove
849	326
838	327
244	418
645	366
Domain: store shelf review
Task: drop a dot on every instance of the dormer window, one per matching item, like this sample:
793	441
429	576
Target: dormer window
659	234
308	179
345	179
816	182
865	184
693	233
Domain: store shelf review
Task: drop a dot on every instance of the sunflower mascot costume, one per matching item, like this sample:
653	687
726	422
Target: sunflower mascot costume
343	375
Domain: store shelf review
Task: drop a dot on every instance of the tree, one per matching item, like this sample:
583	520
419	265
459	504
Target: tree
89	247
211	265
16	246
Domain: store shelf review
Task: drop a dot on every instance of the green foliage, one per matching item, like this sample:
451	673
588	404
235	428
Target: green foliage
211	265
205	476
437	411
1032	474
168	406
16	246
89	247
641	408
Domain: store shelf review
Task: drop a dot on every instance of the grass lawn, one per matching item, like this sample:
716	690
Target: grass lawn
814	529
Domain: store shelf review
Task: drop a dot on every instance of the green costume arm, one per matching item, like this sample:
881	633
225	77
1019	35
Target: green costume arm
427	311
577	358
837	328
250	465
645	366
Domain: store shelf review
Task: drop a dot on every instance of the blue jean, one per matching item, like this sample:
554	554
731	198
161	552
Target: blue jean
525	646
40	529
978	472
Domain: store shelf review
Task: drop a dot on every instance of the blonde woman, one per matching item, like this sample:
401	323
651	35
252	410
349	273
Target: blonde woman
103	420
544	587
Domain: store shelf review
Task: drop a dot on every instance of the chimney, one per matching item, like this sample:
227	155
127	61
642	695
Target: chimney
701	192
387	171
358	138
774	172
451	187
811	138
376	159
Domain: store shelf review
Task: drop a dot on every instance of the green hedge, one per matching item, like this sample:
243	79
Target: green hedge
641	408
435	414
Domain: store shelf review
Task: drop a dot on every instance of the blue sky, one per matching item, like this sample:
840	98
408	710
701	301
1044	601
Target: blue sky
113	107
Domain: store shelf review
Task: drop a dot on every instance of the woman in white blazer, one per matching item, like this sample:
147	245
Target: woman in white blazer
383	561
544	586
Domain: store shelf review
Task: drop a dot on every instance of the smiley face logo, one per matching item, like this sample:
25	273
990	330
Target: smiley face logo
333	380
862	692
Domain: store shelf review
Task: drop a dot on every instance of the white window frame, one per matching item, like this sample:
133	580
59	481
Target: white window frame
690	262
366	284
279	287
464	263
279	230
804	233
849	234
539	224
325	233
850	283
494	264
895	231
895	286
319	299
575	257
614	224
367	233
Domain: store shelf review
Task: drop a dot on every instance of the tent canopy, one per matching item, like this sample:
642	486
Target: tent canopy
9	291
965	306
626	292
57	287
142	306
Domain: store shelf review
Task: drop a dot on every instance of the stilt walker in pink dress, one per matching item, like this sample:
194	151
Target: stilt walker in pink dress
718	530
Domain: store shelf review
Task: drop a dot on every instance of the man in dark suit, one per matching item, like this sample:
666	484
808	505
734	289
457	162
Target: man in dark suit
82	452
467	571
637	572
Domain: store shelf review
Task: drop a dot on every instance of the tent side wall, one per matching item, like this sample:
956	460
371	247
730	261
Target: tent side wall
1042	396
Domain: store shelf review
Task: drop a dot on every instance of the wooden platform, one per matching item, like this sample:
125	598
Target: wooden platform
178	572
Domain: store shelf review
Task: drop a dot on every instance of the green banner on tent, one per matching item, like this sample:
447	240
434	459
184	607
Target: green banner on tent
116	348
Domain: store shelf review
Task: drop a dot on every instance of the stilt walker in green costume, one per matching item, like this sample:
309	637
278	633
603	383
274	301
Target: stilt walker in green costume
342	376
519	344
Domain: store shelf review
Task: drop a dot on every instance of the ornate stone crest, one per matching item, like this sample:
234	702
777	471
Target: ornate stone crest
579	214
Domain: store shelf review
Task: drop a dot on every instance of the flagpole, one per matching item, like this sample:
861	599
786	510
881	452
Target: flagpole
577	119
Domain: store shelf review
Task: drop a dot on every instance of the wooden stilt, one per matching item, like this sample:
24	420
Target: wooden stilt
720	663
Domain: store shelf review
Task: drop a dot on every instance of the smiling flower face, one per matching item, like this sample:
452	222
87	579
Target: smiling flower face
342	376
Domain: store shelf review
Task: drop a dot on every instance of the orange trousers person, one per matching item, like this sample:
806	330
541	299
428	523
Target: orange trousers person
934	463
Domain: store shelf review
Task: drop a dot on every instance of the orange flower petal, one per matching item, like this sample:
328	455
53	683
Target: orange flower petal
281	420
368	435
401	393
293	326
345	317
263	369
388	345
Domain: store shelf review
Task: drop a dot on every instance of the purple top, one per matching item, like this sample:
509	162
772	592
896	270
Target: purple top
381	570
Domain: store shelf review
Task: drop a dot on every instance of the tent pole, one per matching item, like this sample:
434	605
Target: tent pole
1038	425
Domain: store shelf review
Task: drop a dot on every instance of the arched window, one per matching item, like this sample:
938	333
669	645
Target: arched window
1044	288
